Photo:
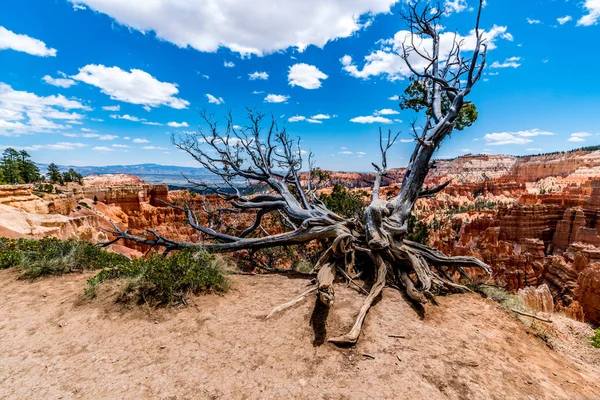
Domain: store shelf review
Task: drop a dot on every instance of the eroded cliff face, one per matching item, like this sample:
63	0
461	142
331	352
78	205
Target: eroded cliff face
535	220
544	229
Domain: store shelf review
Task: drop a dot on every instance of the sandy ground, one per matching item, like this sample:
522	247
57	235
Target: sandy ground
54	345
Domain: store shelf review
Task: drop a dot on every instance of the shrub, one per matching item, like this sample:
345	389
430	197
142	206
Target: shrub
50	256
595	340
345	203
165	280
417	231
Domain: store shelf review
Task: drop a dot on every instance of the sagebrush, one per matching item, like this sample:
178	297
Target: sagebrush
50	256
162	280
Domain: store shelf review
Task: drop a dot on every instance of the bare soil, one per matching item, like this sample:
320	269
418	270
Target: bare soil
55	344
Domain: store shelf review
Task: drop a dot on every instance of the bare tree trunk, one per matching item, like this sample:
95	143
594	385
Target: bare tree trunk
275	162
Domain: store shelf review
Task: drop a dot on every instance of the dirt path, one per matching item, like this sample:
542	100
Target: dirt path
54	345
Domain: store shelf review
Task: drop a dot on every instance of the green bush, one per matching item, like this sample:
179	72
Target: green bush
165	280
344	202
50	256
595	340
417	231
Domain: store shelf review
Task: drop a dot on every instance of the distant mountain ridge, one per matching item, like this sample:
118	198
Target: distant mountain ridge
152	173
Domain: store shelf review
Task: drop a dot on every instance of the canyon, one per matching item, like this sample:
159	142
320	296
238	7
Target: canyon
535	220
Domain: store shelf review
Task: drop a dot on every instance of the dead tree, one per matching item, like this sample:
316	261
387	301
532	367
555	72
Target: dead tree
268	156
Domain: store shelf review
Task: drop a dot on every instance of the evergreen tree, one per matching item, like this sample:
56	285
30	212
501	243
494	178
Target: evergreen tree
54	174
10	166
29	172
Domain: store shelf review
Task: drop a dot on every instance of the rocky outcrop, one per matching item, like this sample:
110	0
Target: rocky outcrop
588	292
538	299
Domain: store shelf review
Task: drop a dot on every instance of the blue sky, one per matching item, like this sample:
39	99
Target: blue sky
100	82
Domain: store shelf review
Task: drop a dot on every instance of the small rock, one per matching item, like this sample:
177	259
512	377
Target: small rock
62	323
302	382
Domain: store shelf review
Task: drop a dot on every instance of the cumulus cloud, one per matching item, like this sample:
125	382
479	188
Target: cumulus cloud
112	108
520	137
306	76
321	116
258	75
59	82
25	112
24	43
394	98
54	146
127	117
371	119
135	86
178	124
564	19
243	26
276	98
387	61
593	13
531	21
296	118
91	135
121	146
153	148
140	141
102	148
512	62
386	111
214	100
578	136
228	64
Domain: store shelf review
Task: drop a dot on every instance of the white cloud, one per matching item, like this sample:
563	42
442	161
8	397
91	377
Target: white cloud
55	146
258	92
346	152
520	137
214	100
228	64
135	87
456	6
153	148
127	117
276	98
394	98
140	141
244	26
386	111
579	136
297	118
79	7
320	116
102	148
534	149
593	13
25	112
91	136
533	21
121	146
112	108
512	62
24	43
151	123
564	19
387	61
59	82
178	124
258	75
306	76
314	121
371	119
407	140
